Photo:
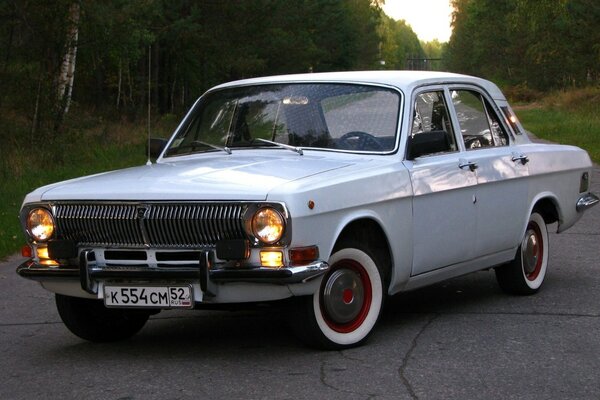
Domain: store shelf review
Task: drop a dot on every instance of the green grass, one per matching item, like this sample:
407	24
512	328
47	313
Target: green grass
88	146
564	127
14	188
569	117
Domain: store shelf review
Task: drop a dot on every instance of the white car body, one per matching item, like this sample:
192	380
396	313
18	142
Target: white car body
442	214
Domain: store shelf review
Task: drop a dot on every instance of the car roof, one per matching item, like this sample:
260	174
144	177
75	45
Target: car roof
406	81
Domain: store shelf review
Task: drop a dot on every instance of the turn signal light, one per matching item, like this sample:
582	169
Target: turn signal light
26	251
304	255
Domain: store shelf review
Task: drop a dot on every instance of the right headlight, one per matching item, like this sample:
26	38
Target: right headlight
40	224
268	225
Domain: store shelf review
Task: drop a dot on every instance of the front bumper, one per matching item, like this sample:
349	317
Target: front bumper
206	272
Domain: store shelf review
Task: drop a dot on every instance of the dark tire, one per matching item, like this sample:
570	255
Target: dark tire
525	274
345	309
90	320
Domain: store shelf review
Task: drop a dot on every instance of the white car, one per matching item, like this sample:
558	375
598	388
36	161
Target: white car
330	190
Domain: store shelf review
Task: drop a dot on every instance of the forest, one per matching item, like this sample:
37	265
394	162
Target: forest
103	56
108	58
533	44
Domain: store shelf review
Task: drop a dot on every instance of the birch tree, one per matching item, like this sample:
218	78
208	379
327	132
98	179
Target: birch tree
67	69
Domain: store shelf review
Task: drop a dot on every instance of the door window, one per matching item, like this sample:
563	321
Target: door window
479	124
431	131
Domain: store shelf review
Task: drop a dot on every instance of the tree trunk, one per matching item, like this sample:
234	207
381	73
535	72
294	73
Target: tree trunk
172	95
36	111
119	85
132	103
67	68
155	75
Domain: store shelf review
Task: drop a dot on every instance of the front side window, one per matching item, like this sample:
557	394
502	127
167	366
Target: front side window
479	124
431	131
320	116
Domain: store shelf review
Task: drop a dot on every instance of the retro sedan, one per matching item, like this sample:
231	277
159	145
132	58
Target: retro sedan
327	192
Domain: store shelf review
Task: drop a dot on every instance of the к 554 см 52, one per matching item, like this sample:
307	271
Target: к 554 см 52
336	189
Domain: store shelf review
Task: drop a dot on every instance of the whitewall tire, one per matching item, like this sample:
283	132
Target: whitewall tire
526	273
345	309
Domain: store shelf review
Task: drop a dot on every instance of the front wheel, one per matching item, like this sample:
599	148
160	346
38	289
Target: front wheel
90	320
343	312
525	274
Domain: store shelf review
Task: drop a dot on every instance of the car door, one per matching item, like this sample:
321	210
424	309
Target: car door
444	214
502	191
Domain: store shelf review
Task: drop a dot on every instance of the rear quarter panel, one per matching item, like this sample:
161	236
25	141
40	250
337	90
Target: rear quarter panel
555	172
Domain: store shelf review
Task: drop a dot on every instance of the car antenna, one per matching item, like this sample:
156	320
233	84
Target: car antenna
149	161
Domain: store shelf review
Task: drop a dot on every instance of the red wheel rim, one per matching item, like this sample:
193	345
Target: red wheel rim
533	252
346	282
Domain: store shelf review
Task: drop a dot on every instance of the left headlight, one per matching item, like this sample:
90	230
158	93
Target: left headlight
268	225
40	224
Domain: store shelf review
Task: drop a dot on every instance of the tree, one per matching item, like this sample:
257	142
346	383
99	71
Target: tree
66	74
398	43
544	44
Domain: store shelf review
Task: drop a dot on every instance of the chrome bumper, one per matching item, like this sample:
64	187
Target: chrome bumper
586	201
207	273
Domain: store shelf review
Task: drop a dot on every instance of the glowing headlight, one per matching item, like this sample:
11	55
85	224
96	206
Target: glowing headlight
40	224
268	225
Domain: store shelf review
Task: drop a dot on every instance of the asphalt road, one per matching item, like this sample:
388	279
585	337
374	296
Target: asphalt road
462	339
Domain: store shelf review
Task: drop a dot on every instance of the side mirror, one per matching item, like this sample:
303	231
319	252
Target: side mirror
155	146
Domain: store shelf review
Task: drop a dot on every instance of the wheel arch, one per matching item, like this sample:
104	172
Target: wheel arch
370	231
547	205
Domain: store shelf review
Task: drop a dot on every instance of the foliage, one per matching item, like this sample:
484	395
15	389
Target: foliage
398	43
434	49
541	44
191	45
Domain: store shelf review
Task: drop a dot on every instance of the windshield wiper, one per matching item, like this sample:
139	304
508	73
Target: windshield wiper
201	143
283	146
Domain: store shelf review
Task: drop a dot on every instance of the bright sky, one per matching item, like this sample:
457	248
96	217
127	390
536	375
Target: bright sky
430	19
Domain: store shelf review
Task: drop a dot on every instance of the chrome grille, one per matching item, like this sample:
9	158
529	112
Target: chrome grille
189	225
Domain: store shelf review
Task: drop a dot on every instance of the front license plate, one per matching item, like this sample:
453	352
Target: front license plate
148	296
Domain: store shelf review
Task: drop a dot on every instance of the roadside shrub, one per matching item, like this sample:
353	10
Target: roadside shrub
522	93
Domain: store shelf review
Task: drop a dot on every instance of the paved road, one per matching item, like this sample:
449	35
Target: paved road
462	339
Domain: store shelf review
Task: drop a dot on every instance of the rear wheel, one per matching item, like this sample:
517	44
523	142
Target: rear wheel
91	320
525	274
343	312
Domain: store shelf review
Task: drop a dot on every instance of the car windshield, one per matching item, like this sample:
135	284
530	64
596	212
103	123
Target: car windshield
343	117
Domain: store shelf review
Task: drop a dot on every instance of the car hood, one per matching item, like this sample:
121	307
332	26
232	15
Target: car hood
206	177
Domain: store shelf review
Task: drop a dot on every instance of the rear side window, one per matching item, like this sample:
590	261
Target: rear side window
431	131
479	124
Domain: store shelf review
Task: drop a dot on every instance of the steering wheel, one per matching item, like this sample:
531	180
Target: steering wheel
358	140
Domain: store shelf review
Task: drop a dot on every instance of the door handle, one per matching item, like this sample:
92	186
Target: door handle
520	157
463	164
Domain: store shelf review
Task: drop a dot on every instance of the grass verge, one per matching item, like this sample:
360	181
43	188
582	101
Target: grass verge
566	117
90	147
14	188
